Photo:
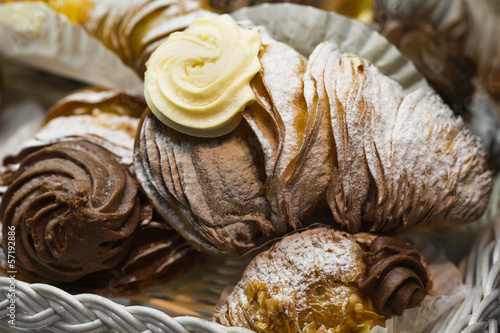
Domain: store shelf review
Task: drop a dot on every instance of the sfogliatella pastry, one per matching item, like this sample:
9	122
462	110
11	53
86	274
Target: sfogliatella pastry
108	118
81	223
322	280
328	132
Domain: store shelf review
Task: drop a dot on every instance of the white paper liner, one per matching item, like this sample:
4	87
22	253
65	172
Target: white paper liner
35	35
304	27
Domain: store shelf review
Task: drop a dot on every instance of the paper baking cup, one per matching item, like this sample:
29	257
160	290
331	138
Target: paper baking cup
37	36
304	27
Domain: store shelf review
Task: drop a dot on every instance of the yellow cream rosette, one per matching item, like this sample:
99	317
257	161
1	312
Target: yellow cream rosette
198	81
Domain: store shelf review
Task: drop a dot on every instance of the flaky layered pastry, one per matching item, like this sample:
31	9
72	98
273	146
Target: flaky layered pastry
322	280
328	132
81	223
71	196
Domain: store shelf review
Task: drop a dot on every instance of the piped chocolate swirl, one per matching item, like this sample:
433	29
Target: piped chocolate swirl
74	208
395	278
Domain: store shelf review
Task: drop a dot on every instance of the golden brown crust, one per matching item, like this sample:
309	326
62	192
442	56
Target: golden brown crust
95	100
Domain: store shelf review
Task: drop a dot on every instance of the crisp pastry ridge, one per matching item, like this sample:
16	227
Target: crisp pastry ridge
108	118
441	57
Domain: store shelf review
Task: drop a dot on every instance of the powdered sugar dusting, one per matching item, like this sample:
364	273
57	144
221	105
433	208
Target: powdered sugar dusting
302	261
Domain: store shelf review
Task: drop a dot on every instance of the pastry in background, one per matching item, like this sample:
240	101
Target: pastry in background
473	24
361	10
443	61
322	280
330	132
131	28
108	118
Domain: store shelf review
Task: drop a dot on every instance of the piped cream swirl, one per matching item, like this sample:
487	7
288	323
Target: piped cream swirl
198	81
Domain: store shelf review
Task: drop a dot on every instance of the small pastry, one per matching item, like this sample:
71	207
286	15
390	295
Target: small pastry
87	226
322	280
331	132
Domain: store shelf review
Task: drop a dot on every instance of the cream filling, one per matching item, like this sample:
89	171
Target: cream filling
198	81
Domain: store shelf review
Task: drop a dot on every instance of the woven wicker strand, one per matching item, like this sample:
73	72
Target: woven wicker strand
41	306
480	309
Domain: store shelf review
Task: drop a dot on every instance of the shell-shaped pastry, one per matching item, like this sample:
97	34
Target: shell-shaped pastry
329	132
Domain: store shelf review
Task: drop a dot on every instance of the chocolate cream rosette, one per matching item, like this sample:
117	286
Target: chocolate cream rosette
323	280
81	221
231	156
